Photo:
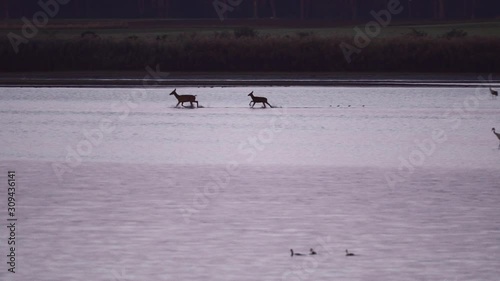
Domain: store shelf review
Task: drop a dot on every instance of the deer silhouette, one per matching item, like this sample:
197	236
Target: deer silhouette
496	134
184	98
494	93
255	100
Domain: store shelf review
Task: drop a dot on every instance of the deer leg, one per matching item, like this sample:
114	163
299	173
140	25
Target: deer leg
253	104
177	104
197	105
250	104
269	105
264	104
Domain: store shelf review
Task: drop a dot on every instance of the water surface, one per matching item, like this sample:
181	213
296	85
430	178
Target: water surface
117	184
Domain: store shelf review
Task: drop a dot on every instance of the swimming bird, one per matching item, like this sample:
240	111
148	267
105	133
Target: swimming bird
493	93
349	254
497	134
312	252
295	254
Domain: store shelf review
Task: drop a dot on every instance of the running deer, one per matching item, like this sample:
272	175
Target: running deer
497	134
255	100
184	98
494	93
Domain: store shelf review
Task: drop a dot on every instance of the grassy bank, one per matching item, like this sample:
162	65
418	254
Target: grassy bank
150	29
246	50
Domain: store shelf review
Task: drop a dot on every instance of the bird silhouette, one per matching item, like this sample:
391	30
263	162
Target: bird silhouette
349	254
312	252
295	254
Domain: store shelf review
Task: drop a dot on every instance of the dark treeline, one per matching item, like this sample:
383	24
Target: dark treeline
229	53
286	9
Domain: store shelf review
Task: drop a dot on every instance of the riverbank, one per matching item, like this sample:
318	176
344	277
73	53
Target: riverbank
201	79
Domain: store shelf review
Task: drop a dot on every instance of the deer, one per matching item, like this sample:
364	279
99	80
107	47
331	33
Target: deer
255	100
184	98
494	93
496	134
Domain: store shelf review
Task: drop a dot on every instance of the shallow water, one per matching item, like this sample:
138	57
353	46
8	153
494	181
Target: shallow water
112	183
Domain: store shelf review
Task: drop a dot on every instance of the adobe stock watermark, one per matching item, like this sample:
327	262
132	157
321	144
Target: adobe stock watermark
49	9
373	28
122	275
76	154
249	148
223	6
116	270
425	148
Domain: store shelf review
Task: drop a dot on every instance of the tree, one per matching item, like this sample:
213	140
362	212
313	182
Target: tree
410	9
259	3
304	8
441	10
162	8
353	4
273	8
81	8
4	5
141	5
469	7
438	9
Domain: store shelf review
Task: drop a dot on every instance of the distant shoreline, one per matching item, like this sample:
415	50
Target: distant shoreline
136	79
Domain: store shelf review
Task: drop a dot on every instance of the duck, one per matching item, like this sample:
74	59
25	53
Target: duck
349	254
295	254
312	252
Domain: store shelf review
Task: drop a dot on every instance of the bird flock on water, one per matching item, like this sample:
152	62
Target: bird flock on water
312	253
